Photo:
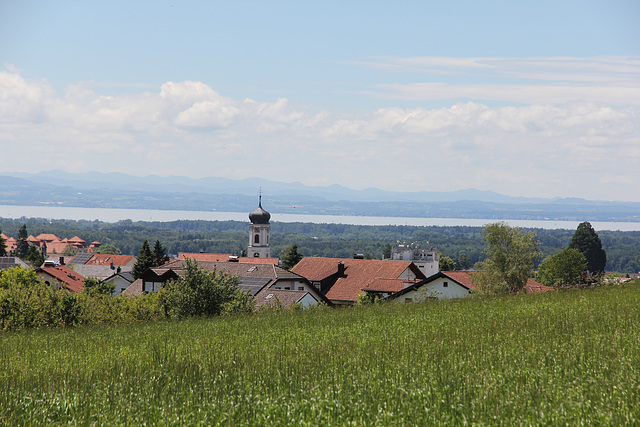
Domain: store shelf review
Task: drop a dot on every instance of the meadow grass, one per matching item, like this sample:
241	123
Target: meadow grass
557	358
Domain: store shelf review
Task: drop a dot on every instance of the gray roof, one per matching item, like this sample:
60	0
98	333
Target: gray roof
126	275
95	271
242	269
7	262
81	258
253	285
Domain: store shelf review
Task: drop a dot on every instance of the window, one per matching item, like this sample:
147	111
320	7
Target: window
256	239
300	288
445	284
408	300
256	255
287	288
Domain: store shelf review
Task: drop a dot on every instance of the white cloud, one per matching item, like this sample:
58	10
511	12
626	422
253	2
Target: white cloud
207	114
22	101
512	93
611	80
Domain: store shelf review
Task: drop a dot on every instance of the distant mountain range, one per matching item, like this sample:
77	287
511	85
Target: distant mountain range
116	190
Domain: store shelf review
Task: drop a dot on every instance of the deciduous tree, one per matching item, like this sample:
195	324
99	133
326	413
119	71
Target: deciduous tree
108	249
446	264
563	268
511	254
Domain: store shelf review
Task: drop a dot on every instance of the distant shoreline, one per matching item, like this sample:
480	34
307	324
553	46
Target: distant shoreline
155	215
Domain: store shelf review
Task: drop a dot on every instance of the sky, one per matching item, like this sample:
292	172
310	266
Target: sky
525	98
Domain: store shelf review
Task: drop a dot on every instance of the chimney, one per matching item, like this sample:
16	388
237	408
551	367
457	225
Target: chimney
341	268
61	260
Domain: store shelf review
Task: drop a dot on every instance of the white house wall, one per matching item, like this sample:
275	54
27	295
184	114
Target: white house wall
308	300
435	289
120	285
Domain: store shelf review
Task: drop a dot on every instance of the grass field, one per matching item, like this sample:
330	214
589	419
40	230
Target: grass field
556	358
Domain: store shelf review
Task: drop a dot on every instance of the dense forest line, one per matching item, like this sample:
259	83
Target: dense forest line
462	244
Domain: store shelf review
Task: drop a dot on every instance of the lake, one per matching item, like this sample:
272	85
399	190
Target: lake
115	215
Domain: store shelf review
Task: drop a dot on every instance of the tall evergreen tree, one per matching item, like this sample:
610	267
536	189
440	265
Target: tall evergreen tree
3	245
22	245
144	260
586	240
290	256
159	254
34	256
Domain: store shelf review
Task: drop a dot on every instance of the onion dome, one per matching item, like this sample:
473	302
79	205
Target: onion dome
259	216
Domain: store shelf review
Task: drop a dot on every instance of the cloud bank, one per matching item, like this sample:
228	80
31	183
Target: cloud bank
553	143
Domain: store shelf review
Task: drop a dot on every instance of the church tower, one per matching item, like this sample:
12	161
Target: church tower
259	233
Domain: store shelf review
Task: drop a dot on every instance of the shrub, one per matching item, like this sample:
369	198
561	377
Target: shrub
27	302
203	293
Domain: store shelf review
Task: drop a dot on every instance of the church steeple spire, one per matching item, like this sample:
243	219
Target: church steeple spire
259	231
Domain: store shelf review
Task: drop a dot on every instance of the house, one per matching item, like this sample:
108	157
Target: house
450	284
427	260
342	280
61	276
120	281
101	266
52	244
279	297
9	242
254	278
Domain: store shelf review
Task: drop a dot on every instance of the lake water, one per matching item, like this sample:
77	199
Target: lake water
115	215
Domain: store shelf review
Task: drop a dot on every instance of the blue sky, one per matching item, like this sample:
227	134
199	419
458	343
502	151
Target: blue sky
537	98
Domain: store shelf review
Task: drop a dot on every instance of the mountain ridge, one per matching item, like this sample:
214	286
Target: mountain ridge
116	190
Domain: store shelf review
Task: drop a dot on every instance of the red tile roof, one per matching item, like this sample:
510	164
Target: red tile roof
358	274
107	259
63	274
256	260
9	242
48	237
198	256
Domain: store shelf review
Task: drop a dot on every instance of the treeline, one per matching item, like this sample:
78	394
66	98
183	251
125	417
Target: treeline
462	244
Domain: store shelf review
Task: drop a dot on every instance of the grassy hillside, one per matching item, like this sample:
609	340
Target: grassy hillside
561	357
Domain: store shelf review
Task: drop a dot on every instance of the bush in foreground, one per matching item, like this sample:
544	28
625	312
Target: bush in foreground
26	301
203	293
